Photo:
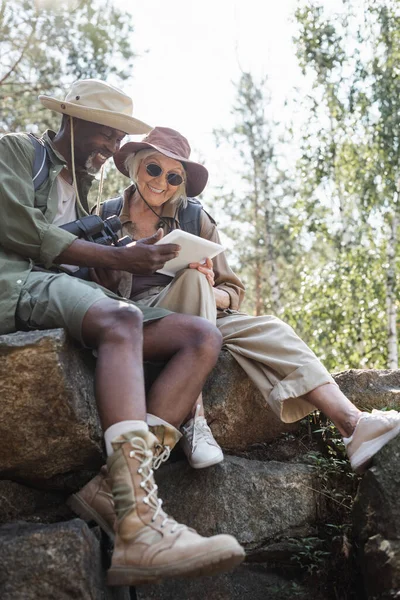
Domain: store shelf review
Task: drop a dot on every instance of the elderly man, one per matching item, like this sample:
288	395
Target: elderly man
96	116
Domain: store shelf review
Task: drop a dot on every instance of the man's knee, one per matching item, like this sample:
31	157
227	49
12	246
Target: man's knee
110	319
205	334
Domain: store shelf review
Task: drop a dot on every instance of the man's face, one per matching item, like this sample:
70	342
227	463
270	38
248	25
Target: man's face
94	144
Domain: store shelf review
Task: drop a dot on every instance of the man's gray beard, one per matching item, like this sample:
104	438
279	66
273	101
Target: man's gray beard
89	166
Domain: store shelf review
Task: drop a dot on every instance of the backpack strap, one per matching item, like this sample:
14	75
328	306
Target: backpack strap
111	207
40	169
189	217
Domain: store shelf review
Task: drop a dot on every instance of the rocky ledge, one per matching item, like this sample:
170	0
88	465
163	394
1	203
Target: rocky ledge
266	492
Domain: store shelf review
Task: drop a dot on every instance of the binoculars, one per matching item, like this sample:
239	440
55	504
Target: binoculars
93	229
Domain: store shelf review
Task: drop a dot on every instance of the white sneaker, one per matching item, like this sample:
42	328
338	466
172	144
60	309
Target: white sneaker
198	443
372	432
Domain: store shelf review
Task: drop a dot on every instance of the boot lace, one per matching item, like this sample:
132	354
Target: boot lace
141	453
162	456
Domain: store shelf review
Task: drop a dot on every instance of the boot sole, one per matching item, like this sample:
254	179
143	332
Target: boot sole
86	512
207	564
208	463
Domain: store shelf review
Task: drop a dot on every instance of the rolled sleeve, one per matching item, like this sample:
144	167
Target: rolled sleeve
23	227
54	242
225	278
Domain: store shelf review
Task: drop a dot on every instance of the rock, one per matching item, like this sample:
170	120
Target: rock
236	410
369	388
60	561
21	503
253	582
252	500
48	419
376	519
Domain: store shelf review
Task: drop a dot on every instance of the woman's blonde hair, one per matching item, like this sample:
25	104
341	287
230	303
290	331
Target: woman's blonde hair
132	164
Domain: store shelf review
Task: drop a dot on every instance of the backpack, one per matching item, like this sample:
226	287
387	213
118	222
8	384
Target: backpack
189	217
40	169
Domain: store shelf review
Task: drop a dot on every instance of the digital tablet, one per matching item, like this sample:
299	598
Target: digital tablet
193	249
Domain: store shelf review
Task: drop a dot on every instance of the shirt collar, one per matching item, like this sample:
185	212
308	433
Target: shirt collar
82	175
169	208
55	156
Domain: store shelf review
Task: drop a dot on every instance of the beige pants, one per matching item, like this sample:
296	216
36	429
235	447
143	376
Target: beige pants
280	364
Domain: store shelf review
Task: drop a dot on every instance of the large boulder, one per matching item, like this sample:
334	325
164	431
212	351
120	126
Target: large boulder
60	561
255	501
48	419
369	388
247	582
377	524
21	503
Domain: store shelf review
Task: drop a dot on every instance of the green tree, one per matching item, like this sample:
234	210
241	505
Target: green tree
349	179
57	43
259	223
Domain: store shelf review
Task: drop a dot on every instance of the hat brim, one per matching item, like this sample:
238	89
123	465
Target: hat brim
109	118
196	174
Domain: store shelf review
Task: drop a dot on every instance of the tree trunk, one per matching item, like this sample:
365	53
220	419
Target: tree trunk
393	360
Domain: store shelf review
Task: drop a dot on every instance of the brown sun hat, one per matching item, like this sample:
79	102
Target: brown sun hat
172	144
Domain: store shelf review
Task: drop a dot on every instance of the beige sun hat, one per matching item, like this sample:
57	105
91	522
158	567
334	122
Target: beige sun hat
98	102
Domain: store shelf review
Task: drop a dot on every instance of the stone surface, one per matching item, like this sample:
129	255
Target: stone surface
21	503
60	561
48	418
236	410
252	500
247	582
369	388
377	523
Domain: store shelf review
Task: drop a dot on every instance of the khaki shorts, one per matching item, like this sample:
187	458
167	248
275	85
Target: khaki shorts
51	300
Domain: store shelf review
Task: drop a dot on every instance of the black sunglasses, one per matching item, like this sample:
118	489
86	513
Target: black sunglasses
155	170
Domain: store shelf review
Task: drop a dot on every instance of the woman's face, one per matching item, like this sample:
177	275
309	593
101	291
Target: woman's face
156	190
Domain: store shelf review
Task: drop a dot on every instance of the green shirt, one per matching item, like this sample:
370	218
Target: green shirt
26	233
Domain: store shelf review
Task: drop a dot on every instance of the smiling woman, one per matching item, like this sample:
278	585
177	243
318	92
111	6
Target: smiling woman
156	176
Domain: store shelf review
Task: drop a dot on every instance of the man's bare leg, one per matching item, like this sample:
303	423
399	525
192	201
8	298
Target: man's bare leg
166	548
190	345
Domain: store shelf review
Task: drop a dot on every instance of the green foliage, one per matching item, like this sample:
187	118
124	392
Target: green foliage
347	193
57	43
322	556
259	223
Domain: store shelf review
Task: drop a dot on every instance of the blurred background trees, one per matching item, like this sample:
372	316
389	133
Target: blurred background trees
45	46
319	246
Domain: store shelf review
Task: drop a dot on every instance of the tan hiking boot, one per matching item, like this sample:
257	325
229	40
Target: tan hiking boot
94	502
149	545
168	436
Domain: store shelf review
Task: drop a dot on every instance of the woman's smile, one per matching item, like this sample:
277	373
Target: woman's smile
154	190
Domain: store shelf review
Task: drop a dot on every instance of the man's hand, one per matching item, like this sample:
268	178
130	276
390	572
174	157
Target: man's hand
140	258
144	257
108	278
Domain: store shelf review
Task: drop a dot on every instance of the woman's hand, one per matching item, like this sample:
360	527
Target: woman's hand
222	298
206	268
108	278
